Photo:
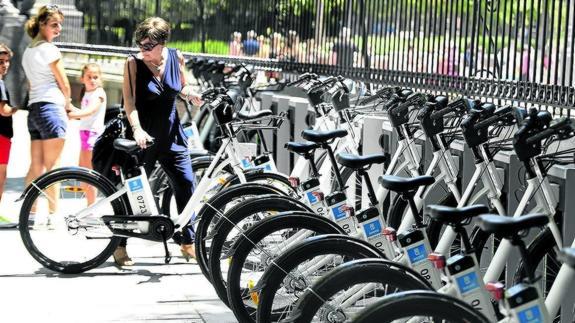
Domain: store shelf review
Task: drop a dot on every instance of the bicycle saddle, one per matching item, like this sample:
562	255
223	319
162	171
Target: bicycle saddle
127	145
323	136
454	215
263	113
567	256
358	162
509	226
301	148
405	184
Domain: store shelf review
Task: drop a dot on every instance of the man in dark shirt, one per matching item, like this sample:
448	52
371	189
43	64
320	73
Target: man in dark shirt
343	49
251	45
6	112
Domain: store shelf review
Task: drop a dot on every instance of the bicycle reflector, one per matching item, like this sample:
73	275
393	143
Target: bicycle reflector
496	289
348	209
294	181
437	259
318	195
390	234
116	169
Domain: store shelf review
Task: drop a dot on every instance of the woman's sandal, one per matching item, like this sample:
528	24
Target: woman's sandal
188	252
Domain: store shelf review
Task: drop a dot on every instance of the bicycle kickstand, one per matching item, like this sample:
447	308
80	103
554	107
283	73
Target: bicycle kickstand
168	256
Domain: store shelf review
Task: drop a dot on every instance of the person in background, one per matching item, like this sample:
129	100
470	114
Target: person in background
92	113
49	97
152	81
6	111
264	43
251	45
343	50
236	44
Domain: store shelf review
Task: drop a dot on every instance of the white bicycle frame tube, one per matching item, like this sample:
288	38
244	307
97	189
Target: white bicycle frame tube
448	236
505	248
215	167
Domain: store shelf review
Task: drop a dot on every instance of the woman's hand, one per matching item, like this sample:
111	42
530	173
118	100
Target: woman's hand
141	137
192	96
195	99
72	111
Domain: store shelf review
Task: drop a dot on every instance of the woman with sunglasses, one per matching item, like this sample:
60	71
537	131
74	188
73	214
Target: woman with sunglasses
152	80
49	98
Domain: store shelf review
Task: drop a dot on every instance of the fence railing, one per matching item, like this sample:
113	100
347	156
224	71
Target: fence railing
519	50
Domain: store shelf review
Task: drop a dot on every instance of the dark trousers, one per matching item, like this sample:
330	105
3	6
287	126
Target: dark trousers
178	167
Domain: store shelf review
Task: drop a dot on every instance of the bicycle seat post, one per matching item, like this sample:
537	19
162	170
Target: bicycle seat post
466	247
340	182
408	196
528	267
370	191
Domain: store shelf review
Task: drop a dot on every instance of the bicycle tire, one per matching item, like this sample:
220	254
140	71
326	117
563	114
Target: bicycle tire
246	243
420	303
32	192
346	246
346	174
399	208
259	175
235	215
356	272
541	251
217	203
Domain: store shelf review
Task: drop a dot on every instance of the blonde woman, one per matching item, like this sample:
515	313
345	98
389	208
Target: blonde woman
49	96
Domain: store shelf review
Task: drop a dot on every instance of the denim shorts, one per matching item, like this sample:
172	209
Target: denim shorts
46	121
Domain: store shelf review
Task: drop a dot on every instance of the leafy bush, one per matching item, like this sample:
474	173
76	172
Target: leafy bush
217	47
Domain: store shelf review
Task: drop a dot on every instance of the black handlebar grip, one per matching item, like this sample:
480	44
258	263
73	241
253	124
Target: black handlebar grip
553	129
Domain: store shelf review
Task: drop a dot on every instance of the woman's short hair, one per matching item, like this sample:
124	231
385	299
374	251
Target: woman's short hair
45	13
154	28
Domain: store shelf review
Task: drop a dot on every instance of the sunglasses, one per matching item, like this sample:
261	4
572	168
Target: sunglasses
147	46
52	7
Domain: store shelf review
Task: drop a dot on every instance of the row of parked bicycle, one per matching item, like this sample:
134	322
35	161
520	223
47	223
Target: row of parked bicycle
301	248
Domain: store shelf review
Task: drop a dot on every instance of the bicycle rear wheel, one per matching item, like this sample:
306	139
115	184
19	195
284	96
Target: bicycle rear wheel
234	224
51	232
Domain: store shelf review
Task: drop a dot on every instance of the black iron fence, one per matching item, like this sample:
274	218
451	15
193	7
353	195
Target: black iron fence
519	50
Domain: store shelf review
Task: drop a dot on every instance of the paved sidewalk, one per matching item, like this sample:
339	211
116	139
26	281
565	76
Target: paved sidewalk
148	292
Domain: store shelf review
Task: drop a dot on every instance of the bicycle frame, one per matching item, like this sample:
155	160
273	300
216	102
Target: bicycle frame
225	156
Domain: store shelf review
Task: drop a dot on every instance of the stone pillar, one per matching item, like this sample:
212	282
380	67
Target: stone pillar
73	30
12	34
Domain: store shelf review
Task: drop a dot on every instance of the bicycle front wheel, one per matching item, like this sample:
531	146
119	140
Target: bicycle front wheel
420	306
51	232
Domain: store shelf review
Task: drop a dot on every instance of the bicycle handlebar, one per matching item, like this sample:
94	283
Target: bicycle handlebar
379	95
303	78
457	105
557	127
497	116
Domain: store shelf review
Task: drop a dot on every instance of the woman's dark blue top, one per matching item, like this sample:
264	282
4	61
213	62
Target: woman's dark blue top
156	104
